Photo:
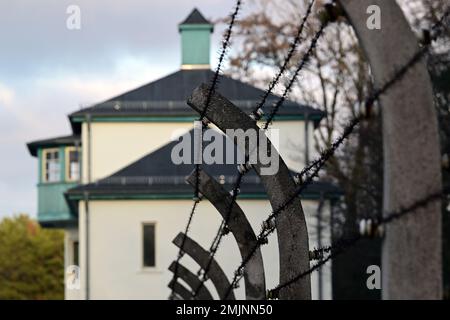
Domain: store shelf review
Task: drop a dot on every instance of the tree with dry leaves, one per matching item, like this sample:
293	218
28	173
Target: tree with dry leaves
32	260
337	80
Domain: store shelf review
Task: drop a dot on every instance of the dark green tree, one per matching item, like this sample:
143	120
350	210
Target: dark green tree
31	260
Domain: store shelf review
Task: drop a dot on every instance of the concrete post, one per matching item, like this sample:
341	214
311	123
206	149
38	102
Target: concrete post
411	259
291	226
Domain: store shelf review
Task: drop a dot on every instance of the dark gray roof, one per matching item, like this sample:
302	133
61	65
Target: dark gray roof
167	96
53	142
195	17
156	174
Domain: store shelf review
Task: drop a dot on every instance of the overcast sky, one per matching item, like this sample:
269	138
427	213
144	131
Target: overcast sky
47	70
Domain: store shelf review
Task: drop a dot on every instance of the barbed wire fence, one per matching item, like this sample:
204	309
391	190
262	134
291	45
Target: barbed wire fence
368	229
213	87
257	114
312	170
318	164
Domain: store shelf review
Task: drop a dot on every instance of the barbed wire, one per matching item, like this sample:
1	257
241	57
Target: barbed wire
266	231
212	88
330	14
300	66
288	58
344	244
244	168
225	44
369	102
401	72
317	165
223	230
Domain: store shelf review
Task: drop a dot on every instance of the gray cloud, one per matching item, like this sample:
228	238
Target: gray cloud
34	37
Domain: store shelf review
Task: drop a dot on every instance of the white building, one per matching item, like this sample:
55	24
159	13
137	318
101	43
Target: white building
113	188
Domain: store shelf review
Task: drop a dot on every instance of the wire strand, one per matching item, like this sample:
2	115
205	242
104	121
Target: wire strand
288	58
217	240
212	88
344	244
320	162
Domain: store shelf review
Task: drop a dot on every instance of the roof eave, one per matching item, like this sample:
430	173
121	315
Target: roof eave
33	146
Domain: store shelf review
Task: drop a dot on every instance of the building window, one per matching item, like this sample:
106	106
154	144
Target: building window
149	245
75	253
52	166
73	164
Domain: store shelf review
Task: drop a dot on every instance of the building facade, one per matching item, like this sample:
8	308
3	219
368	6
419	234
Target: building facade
114	189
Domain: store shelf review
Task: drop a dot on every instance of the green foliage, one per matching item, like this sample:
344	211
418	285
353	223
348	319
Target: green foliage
31	260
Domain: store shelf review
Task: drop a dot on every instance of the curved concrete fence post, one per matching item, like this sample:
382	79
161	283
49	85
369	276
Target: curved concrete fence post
202	257
255	287
192	280
180	290
411	259
290	223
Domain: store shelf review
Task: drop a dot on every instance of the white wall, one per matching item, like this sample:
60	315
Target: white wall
116	145
116	245
70	236
115	226
292	143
